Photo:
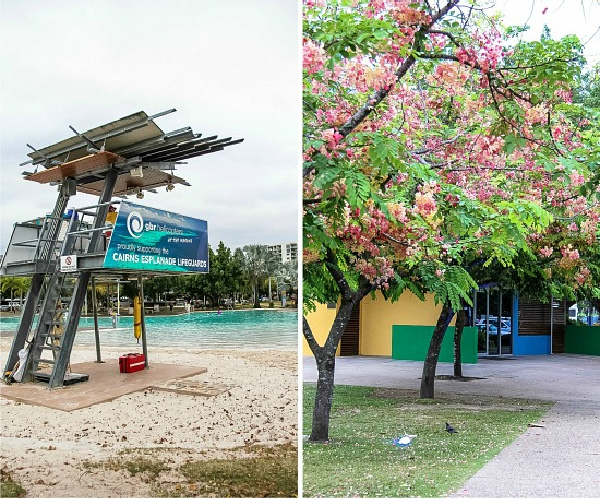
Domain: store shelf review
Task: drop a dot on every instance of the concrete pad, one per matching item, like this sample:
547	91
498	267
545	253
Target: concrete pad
105	383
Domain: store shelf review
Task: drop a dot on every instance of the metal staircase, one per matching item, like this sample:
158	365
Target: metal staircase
45	259
49	334
56	328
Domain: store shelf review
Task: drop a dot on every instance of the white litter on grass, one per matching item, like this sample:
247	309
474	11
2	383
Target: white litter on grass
403	441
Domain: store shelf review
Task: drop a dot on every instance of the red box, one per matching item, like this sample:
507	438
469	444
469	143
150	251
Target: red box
132	362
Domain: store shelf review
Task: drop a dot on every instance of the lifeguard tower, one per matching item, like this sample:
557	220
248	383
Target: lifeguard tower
63	250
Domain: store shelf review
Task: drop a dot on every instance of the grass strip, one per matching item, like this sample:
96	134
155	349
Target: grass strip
270	472
262	472
360	459
8	487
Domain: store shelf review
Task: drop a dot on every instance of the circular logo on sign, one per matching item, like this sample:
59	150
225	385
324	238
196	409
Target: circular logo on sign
68	260
135	224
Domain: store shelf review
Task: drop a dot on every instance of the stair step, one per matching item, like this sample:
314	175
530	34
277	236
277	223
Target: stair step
51	336
44	347
45	361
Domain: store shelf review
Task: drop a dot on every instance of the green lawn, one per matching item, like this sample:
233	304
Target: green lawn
360	459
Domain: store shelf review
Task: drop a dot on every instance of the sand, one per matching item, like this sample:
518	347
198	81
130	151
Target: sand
53	453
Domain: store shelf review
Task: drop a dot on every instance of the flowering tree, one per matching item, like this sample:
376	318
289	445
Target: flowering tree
430	142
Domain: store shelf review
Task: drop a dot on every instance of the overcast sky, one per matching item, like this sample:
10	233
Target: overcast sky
229	68
563	17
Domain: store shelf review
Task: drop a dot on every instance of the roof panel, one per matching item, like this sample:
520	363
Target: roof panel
134	128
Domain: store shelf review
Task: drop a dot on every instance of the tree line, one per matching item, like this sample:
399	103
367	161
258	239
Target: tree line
246	273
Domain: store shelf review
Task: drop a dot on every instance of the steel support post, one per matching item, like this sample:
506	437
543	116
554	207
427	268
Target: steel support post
499	326
143	317
27	315
96	330
58	372
551	323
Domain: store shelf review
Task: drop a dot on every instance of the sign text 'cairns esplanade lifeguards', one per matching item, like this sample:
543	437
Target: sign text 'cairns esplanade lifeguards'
150	239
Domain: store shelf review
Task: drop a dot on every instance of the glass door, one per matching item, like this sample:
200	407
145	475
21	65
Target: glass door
506	326
481	303
493	319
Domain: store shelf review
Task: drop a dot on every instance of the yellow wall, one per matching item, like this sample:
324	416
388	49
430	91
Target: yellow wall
320	323
378	316
376	320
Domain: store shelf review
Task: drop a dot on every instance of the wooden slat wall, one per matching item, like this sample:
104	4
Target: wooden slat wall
350	339
534	320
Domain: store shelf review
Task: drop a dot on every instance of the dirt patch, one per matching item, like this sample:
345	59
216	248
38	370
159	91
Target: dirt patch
194	388
463	379
272	358
465	401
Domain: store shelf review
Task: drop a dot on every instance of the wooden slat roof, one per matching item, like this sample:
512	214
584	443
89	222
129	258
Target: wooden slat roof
75	168
126	183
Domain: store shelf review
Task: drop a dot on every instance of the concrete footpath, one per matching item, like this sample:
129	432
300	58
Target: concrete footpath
562	459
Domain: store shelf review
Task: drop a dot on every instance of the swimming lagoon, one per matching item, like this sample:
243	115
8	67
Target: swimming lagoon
232	329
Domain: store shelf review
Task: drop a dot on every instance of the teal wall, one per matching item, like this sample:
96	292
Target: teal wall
412	343
582	339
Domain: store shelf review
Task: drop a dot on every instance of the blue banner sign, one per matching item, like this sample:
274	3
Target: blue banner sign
145	238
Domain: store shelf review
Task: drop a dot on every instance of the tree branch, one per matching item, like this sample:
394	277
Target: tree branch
448	57
308	202
394	240
449	35
338	275
310	339
357	118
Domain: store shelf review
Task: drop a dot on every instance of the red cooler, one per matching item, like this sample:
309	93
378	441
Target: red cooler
132	362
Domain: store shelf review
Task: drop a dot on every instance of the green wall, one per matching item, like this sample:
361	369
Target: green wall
412	343
582	339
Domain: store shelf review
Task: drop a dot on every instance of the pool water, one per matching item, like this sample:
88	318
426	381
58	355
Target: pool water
243	329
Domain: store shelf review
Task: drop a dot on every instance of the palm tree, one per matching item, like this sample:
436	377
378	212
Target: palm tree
18	285
258	262
287	277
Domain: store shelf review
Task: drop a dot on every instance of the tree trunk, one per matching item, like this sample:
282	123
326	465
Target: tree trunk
270	294
435	345
323	398
325	359
458	330
256	297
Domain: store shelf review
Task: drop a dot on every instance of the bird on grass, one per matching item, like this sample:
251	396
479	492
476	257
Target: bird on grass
450	429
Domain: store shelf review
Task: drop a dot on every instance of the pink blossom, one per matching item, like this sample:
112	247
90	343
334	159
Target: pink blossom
425	204
577	178
313	57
